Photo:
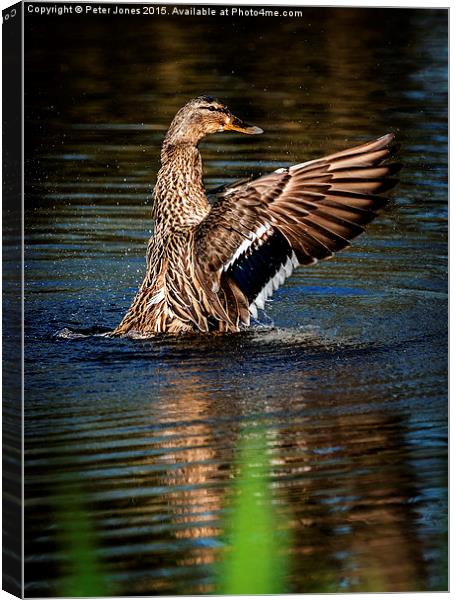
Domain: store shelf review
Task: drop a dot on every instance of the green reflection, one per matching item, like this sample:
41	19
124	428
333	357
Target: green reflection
256	561
84	574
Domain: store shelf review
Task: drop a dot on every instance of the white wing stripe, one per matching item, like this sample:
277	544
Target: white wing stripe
257	235
273	284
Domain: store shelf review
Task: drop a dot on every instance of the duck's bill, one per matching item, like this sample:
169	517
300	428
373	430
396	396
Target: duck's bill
235	124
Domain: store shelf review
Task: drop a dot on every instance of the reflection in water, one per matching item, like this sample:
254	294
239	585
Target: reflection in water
192	479
350	381
345	472
329	477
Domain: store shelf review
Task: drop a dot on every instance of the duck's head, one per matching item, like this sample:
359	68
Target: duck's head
202	116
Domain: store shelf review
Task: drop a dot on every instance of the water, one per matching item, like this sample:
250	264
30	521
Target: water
347	371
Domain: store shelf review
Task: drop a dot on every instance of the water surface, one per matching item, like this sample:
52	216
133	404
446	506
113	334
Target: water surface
347	371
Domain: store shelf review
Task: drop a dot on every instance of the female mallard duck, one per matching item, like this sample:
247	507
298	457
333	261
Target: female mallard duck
210	267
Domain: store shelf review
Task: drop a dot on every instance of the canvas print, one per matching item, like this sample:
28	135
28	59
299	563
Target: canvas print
232	284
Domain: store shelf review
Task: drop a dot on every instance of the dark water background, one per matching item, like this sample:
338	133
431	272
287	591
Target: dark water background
348	371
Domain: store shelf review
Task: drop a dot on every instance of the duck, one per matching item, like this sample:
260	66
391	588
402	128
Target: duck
213	261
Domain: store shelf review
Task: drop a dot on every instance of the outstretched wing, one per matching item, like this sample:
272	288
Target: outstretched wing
258	232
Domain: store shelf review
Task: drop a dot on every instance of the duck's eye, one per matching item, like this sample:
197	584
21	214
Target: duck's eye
223	111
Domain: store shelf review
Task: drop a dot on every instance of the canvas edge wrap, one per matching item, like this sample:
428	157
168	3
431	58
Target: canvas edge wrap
12	301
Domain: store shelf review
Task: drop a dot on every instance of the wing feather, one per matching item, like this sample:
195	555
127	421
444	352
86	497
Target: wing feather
258	231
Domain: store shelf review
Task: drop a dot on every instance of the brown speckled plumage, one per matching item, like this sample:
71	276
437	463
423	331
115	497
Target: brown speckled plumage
210	267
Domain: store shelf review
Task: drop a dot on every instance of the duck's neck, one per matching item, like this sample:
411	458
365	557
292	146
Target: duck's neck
180	197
